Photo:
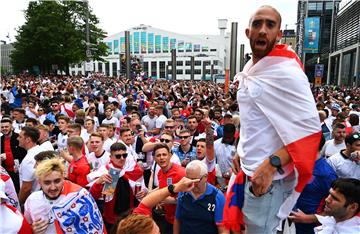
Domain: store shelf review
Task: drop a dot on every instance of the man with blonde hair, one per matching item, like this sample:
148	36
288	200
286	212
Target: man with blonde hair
49	209
44	141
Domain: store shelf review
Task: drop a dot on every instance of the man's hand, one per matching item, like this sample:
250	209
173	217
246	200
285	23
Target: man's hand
40	226
262	178
185	162
140	195
236	164
185	185
106	178
301	217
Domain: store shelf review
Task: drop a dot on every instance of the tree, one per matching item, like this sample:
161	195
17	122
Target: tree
55	34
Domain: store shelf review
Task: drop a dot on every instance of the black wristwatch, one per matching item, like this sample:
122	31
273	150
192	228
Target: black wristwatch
276	162
171	188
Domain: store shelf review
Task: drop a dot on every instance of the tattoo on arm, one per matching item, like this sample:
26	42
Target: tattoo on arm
209	137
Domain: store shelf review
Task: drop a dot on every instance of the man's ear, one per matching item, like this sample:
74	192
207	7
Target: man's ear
279	35
247	33
353	207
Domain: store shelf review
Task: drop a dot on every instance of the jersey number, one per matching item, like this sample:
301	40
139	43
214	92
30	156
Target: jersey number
211	207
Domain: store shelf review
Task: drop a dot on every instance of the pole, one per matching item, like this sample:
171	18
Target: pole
204	71
88	52
212	72
173	64
192	67
233	47
242	56
127	54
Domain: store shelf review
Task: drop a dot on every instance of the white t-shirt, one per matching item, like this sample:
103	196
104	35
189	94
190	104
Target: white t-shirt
27	167
329	225
159	123
62	141
149	122
114	121
107	144
18	126
46	146
224	154
97	162
344	168
330	148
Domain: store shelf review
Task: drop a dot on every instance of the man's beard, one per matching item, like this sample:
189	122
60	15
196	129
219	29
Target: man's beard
259	54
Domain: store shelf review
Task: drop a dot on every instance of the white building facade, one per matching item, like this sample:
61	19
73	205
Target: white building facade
153	47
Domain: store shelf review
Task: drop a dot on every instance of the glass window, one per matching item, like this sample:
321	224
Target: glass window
187	71
158	43
136	42
319	6
188	63
312	6
179	72
328	6
179	63
216	62
213	50
197	63
197	71
143	42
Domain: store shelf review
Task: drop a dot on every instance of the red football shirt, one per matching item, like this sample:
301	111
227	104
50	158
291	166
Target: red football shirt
78	171
172	176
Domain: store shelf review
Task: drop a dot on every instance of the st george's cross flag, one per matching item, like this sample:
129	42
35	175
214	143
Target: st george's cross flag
287	102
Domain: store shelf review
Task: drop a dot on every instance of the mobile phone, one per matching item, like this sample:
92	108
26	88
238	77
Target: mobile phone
138	127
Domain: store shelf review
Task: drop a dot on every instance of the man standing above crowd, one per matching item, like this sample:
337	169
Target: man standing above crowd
273	139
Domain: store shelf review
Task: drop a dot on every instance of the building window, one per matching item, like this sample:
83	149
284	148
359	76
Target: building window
312	6
328	5
114	69
188	63
100	67
216	62
187	71
197	71
146	67
153	69
179	72
179	63
197	63
207	63
213	50
162	69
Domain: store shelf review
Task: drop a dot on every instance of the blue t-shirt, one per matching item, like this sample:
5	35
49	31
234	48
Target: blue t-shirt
314	192
191	154
203	214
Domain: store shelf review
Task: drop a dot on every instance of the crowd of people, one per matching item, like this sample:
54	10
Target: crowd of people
100	154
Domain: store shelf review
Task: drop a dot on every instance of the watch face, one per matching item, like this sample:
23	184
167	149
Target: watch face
275	161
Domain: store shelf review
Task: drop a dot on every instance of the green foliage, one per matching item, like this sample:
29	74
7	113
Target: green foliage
55	33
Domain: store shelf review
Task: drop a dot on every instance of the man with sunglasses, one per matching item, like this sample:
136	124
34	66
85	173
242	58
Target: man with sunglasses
123	197
185	151
201	209
346	163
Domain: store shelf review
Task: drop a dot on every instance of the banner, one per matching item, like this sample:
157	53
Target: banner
227	81
172	43
312	34
122	44
165	47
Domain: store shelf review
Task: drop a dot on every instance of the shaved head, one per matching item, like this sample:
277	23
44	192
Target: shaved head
269	7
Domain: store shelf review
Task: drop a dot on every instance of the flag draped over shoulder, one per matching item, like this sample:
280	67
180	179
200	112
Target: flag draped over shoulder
280	89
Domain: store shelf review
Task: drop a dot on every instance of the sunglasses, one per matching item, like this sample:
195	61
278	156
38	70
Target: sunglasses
356	136
118	156
169	127
165	140
184	137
